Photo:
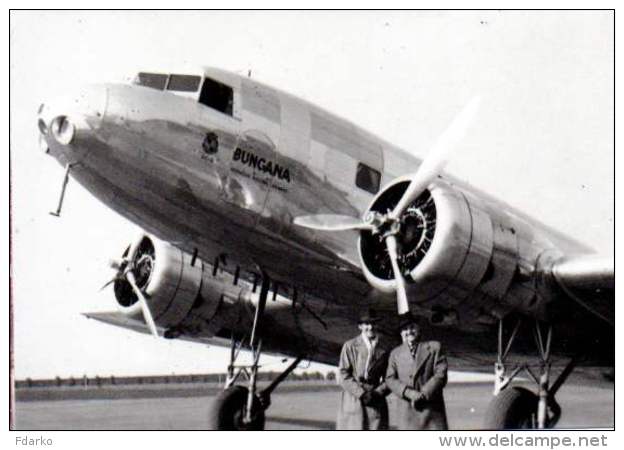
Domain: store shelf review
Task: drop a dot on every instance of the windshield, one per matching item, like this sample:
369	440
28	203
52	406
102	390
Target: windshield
183	83
173	82
153	80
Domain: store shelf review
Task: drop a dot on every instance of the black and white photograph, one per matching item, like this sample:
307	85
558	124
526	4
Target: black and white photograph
312	220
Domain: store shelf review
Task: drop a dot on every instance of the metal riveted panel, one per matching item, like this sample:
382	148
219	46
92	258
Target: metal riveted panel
174	284
481	244
503	263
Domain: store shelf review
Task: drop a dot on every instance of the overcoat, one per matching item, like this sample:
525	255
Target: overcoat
427	373
353	415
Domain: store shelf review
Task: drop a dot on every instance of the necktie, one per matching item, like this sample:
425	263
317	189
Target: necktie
370	347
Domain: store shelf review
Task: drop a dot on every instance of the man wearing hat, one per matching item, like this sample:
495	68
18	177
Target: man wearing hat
417	374
363	363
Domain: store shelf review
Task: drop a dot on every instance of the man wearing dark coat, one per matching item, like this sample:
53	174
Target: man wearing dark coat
363	364
417	373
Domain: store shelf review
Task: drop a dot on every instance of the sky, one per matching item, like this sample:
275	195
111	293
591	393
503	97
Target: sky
542	140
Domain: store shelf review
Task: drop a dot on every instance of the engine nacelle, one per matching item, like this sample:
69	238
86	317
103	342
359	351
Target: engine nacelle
446	240
170	279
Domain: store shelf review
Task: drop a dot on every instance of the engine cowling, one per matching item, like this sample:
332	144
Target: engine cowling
170	280
445	240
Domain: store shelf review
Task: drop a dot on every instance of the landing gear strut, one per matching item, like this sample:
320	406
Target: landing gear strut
518	407
238	407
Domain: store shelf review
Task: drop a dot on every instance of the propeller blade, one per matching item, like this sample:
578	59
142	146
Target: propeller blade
115	264
402	303
437	157
332	222
134	247
118	266
147	315
125	263
108	283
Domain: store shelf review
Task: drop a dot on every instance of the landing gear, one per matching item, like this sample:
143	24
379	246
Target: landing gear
238	407
517	407
229	411
513	408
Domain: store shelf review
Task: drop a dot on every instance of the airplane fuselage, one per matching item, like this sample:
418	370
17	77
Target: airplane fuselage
226	186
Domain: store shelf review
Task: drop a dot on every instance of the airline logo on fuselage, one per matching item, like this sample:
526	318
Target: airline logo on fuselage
261	164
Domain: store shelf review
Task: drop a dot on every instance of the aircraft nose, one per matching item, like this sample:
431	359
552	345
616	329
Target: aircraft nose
65	116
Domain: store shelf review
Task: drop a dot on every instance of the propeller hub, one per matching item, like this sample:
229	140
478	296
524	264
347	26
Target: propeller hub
143	269
376	220
391	227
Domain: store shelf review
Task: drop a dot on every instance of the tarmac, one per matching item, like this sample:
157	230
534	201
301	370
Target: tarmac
301	407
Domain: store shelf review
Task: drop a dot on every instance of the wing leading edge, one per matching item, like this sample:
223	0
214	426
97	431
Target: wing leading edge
590	282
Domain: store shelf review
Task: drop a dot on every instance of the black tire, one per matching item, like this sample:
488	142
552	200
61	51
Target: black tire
228	410
513	408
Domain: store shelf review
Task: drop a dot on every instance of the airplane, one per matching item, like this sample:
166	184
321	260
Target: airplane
269	224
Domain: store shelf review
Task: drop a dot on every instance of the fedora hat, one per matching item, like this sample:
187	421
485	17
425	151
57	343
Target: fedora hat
368	316
405	320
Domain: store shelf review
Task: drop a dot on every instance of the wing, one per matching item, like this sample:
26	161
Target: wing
120	320
590	282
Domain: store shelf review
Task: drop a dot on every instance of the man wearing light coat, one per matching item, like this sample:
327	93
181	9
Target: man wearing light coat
363	363
417	373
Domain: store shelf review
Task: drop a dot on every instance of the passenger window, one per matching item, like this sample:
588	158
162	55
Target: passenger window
183	83
217	96
367	178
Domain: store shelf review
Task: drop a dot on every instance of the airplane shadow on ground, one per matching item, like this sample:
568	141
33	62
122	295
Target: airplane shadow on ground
320	424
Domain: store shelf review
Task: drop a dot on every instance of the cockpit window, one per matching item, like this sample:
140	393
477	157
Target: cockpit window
217	96
367	178
183	83
152	80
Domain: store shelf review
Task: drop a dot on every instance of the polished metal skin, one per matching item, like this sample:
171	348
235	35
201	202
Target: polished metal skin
227	188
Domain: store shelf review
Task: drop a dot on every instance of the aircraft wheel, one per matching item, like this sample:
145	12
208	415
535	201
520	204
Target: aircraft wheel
513	408
228	411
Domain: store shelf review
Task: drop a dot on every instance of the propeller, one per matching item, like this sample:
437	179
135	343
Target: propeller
147	315
125	271
437	157
335	222
389	224
402	303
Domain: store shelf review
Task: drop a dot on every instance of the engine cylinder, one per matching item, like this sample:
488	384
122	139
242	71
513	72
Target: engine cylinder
450	245
169	278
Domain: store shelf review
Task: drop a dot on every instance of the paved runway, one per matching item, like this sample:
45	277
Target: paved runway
310	409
